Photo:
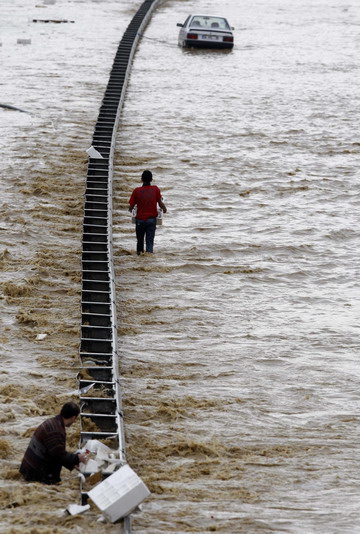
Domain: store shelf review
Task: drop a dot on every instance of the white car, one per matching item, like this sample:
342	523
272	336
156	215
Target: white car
206	31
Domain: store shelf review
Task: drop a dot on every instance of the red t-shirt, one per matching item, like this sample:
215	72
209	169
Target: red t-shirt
145	198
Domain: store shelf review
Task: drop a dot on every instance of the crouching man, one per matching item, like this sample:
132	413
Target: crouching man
46	453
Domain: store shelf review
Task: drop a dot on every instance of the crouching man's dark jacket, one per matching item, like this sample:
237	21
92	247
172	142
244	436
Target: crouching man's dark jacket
46	453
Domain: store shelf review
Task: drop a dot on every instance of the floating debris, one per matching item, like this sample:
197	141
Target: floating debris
54	21
119	494
101	458
40	337
81	391
93	153
75	509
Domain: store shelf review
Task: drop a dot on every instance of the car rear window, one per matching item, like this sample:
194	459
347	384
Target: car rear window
209	23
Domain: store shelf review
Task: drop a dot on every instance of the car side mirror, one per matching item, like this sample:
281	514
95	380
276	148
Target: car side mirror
179	24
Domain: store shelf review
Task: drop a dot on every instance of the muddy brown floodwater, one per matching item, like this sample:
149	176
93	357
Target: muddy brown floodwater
238	338
59	80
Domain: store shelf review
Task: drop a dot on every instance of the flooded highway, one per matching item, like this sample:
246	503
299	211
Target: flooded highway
238	338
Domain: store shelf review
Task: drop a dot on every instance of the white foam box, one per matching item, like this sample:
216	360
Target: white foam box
119	494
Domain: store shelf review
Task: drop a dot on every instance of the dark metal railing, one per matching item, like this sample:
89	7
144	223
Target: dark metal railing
98	345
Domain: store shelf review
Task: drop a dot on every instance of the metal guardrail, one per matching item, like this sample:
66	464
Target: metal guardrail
98	345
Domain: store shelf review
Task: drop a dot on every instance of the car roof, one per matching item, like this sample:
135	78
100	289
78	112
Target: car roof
207	15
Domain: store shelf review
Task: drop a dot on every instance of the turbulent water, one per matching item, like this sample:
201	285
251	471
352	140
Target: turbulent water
238	338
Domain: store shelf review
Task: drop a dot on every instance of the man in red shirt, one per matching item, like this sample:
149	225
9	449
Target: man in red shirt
146	198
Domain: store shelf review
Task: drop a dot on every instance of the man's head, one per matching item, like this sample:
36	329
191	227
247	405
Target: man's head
69	413
146	177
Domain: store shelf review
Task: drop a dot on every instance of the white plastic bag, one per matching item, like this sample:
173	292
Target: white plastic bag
133	214
159	218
